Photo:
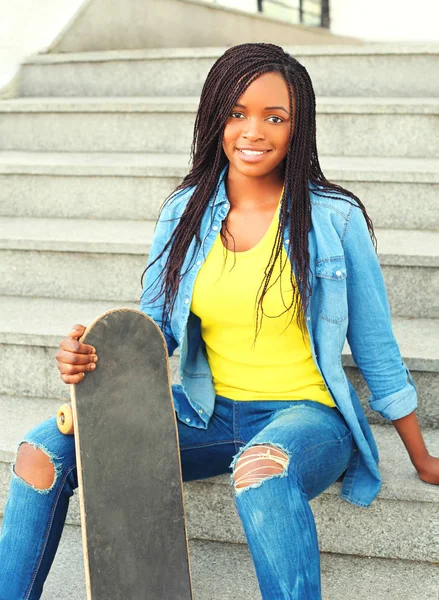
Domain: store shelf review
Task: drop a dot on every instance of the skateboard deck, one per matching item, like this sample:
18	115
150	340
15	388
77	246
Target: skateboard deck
130	485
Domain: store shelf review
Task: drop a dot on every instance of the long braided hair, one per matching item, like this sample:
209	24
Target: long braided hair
226	81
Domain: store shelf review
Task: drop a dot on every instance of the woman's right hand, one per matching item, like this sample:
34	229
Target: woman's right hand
74	358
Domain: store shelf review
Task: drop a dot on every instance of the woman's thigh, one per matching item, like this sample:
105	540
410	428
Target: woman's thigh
208	452
203	452
316	439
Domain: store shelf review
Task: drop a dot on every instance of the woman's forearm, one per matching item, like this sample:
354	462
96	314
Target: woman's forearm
411	435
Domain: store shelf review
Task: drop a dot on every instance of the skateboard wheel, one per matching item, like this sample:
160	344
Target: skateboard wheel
64	419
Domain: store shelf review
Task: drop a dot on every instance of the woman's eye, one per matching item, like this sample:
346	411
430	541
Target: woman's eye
273	117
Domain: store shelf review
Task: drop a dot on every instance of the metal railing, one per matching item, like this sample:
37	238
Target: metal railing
306	12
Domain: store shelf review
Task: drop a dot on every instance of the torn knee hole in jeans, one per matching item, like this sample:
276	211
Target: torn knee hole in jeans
256	475
28	480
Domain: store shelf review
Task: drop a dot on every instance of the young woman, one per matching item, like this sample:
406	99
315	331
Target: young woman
259	269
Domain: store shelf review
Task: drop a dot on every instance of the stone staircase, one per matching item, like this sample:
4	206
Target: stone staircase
90	149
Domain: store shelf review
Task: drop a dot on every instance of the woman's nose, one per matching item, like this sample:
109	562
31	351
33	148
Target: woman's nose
252	130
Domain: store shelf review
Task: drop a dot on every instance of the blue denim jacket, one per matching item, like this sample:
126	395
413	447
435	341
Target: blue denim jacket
349	299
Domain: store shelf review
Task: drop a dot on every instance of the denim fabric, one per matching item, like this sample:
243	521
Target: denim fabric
275	513
33	520
349	300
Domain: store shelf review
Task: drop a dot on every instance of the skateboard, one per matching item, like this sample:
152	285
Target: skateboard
128	459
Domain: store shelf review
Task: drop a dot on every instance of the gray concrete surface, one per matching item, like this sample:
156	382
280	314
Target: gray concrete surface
372	70
222	571
398	193
372	127
106	256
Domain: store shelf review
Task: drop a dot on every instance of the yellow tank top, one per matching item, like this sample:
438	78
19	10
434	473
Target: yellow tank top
279	366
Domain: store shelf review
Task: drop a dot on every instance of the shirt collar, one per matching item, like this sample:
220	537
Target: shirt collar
219	195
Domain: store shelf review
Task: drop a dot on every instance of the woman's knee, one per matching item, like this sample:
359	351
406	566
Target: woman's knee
35	467
259	462
43	455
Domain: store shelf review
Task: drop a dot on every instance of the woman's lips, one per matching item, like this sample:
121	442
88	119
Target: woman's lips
250	157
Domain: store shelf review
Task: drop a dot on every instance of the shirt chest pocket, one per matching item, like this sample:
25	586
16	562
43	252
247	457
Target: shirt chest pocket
333	301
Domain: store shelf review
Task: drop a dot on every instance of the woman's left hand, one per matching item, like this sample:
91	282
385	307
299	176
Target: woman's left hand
428	470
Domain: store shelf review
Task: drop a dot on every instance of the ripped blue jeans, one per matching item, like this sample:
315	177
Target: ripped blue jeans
311	444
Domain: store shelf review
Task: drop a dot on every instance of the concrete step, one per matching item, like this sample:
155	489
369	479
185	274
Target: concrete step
108	257
386	70
405	127
31	329
398	193
30	332
342	527
222	571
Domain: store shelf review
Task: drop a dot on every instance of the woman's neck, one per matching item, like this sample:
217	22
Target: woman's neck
250	193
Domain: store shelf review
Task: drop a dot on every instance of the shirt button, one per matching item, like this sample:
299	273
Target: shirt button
188	420
338	273
198	262
308	318
215	227
201	411
186	301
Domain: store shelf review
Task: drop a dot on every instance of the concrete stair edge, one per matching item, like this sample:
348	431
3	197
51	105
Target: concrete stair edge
149	164
189	104
414	247
215	51
43	321
221	571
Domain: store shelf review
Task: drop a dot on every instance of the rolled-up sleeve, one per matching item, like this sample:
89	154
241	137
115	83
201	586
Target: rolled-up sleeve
370	335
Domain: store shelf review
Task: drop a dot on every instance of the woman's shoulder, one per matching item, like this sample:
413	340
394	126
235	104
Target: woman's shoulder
332	200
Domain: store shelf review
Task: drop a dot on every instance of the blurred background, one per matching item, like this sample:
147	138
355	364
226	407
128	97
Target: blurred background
97	107
27	26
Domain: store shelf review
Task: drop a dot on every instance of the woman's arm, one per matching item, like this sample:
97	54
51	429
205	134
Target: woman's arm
370	334
374	347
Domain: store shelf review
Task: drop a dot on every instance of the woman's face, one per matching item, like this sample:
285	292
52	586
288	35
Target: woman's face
259	121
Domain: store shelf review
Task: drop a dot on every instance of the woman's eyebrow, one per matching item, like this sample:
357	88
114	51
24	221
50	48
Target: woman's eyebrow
266	108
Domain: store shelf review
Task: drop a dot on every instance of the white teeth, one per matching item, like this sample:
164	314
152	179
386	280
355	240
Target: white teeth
252	152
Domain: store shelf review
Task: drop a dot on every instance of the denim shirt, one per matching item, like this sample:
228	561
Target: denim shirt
348	299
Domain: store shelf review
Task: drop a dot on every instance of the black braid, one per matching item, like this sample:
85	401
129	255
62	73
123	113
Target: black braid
226	81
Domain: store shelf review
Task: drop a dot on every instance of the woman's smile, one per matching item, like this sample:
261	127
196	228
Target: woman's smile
251	156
